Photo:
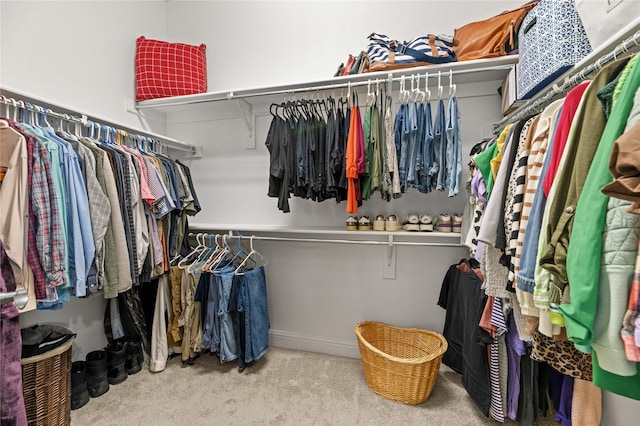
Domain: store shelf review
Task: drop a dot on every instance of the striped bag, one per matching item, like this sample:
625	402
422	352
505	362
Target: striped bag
387	54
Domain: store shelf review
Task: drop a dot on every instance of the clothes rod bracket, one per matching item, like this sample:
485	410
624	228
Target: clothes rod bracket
20	297
250	121
389	269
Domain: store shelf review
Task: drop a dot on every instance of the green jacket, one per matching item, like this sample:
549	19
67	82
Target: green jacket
585	248
586	129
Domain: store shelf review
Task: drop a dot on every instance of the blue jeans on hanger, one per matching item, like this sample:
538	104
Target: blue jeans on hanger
207	294
440	147
426	153
257	323
228	348
402	135
454	148
415	125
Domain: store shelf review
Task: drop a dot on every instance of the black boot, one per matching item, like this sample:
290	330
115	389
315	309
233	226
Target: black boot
134	357
79	392
116	357
96	366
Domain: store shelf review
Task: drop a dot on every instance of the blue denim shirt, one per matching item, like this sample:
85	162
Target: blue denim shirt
525	278
454	148
439	147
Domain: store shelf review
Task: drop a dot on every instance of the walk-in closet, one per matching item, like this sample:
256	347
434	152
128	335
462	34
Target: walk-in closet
218	242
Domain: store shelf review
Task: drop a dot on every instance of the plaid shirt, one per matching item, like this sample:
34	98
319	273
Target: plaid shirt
45	249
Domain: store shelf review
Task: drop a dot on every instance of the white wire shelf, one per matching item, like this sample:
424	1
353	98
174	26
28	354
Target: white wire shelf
494	69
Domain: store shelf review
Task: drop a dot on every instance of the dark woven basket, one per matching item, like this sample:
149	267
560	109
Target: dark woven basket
46	382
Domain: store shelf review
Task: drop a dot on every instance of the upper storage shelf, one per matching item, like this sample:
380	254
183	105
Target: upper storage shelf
495	69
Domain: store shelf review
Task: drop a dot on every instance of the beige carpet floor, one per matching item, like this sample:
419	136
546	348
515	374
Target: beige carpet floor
285	387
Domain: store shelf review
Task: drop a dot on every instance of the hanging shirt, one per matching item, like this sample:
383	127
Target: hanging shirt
392	159
110	268
14	201
454	148
440	147
351	163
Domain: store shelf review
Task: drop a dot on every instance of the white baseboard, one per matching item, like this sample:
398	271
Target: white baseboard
304	342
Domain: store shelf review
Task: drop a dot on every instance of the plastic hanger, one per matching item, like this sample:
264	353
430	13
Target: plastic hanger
251	253
194	267
6	103
426	87
195	252
452	87
220	259
219	269
15	109
213	257
210	252
439	85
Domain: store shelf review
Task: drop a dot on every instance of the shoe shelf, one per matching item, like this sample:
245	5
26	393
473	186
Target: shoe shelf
337	235
449	237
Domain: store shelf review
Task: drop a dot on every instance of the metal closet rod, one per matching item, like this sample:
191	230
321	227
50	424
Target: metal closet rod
333	241
86	122
535	106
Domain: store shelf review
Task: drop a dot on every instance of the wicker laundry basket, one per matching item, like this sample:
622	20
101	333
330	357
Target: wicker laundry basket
46	386
400	363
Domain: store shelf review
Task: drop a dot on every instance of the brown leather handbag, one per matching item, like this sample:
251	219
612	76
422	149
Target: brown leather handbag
492	37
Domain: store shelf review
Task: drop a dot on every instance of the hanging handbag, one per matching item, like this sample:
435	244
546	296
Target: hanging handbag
388	54
492	37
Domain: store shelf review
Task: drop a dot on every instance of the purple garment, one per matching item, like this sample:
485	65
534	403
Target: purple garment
515	349
12	410
561	393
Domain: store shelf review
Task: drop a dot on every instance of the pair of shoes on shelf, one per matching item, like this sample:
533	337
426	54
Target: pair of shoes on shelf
415	222
355	223
390	223
449	223
411	222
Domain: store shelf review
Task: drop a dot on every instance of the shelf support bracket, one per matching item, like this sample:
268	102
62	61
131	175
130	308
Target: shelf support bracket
250	122
389	267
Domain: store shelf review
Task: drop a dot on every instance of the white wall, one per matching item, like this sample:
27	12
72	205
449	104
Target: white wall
317	292
81	55
77	53
256	43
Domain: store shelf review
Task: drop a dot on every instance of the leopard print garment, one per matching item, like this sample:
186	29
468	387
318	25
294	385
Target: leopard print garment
563	356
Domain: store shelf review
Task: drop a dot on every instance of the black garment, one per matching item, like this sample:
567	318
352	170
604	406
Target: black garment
463	298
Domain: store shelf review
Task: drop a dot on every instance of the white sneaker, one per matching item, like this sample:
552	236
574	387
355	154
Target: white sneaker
426	223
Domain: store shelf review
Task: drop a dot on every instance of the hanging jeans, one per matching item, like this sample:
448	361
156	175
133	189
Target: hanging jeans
440	147
412	151
402	138
228	348
427	155
256	314
207	295
454	148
